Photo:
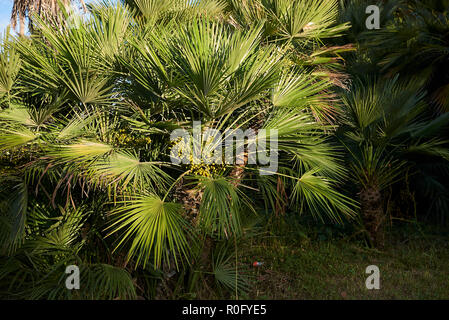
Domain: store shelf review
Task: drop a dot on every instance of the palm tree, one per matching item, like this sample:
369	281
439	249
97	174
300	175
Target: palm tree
382	127
85	140
410	44
23	9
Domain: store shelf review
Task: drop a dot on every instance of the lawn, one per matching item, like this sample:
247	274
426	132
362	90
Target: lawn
410	268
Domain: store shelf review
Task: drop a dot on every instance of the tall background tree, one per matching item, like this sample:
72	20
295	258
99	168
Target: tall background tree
25	9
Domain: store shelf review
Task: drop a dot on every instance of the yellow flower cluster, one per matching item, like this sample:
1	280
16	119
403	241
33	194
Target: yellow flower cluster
125	138
201	169
206	170
17	154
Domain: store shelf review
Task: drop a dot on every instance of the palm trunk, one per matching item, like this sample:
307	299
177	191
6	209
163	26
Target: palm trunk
373	213
83	4
191	200
21	25
238	172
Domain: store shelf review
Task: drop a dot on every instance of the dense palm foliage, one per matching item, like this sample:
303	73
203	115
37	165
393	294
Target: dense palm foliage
383	129
411	46
414	45
86	122
87	109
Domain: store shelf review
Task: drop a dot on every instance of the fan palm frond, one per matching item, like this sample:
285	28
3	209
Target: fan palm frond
229	274
155	228
220	207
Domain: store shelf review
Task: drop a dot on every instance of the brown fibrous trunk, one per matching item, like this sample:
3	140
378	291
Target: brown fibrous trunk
373	213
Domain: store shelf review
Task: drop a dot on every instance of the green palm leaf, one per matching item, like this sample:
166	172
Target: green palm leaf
155	228
126	169
220	207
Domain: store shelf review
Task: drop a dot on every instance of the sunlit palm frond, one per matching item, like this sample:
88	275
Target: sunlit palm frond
10	64
80	151
299	90
305	19
319	194
15	137
155	229
221	207
125	169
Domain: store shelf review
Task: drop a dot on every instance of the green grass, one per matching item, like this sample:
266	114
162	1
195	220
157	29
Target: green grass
411	268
